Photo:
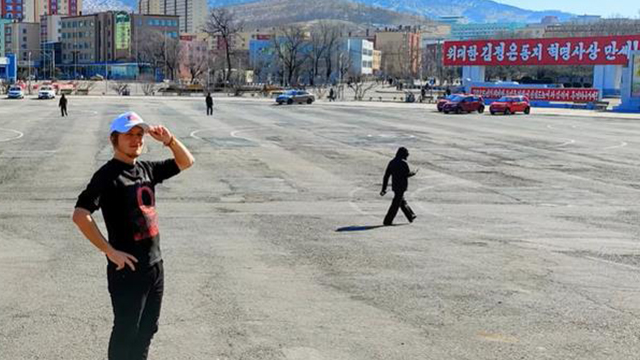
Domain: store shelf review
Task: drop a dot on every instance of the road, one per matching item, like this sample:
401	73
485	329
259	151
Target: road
525	246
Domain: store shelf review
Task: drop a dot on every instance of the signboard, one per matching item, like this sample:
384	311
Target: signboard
595	50
122	30
635	79
543	94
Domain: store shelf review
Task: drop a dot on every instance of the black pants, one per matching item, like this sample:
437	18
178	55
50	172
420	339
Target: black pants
63	110
136	297
398	202
209	110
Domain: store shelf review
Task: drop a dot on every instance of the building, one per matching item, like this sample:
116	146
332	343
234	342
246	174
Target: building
11	9
91	42
23	39
360	54
194	58
34	9
603	27
192	13
401	56
452	19
50	28
2	23
377	61
483	31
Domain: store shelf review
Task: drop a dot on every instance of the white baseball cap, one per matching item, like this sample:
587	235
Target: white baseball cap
125	122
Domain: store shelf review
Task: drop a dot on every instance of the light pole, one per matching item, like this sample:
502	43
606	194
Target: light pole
29	72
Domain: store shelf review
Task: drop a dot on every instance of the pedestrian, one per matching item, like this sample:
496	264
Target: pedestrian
63	105
209	101
447	92
423	93
332	95
124	188
398	170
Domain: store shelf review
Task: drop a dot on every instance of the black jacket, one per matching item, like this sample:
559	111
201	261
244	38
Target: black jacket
209	101
398	169
63	102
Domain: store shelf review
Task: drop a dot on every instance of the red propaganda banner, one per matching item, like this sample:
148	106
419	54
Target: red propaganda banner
544	94
596	50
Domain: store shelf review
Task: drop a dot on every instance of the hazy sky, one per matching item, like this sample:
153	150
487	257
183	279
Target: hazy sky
628	8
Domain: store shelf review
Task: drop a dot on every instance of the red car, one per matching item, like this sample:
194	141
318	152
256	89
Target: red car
444	100
464	103
510	105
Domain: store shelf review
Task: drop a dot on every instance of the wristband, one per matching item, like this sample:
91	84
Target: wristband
171	141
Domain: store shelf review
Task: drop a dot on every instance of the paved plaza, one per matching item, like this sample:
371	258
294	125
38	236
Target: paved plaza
526	244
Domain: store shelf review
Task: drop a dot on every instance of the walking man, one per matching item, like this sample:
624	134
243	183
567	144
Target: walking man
398	169
124	188
332	95
209	101
63	105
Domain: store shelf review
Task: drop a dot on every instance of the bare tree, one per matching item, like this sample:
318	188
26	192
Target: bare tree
160	50
119	86
360	85
333	40
194	60
289	46
320	41
222	23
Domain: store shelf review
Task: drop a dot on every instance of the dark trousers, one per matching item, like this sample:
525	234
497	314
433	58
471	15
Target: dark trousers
398	202
136	297
209	110
63	110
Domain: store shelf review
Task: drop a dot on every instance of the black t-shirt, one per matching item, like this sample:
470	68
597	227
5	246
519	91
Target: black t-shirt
126	195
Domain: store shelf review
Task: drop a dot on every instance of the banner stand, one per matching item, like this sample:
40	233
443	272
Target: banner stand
630	92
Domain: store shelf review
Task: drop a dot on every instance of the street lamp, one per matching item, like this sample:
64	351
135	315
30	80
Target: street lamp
29	72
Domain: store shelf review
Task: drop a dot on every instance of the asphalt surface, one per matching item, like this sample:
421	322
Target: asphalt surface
525	246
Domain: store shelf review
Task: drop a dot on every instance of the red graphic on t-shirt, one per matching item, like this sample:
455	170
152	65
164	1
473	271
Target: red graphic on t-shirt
146	219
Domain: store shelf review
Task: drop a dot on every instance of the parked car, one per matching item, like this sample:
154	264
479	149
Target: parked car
46	92
15	92
444	100
295	96
510	105
466	103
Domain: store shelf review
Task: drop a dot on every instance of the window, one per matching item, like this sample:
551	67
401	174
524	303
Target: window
9	8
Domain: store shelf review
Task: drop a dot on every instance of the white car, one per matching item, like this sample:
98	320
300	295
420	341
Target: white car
15	92
46	92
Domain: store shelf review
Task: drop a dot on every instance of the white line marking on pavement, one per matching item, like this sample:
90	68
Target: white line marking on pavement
565	143
193	134
19	135
622	144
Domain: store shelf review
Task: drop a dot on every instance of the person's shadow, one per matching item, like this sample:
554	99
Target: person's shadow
363	228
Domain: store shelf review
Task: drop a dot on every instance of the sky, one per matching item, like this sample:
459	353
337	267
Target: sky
627	8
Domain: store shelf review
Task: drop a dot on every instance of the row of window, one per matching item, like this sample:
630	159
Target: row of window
80	34
10	8
74	24
85	45
10	16
159	22
367	64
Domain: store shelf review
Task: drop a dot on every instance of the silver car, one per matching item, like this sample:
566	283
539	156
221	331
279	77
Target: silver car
295	96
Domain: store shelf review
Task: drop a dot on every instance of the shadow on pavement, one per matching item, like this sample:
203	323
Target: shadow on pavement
363	228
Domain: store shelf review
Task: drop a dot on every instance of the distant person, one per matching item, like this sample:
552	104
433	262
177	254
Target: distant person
398	170
63	105
124	189
332	95
423	93
209	101
447	92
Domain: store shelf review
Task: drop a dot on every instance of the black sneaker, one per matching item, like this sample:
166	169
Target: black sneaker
412	218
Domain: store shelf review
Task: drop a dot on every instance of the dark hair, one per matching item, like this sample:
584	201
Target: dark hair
114	138
402	153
